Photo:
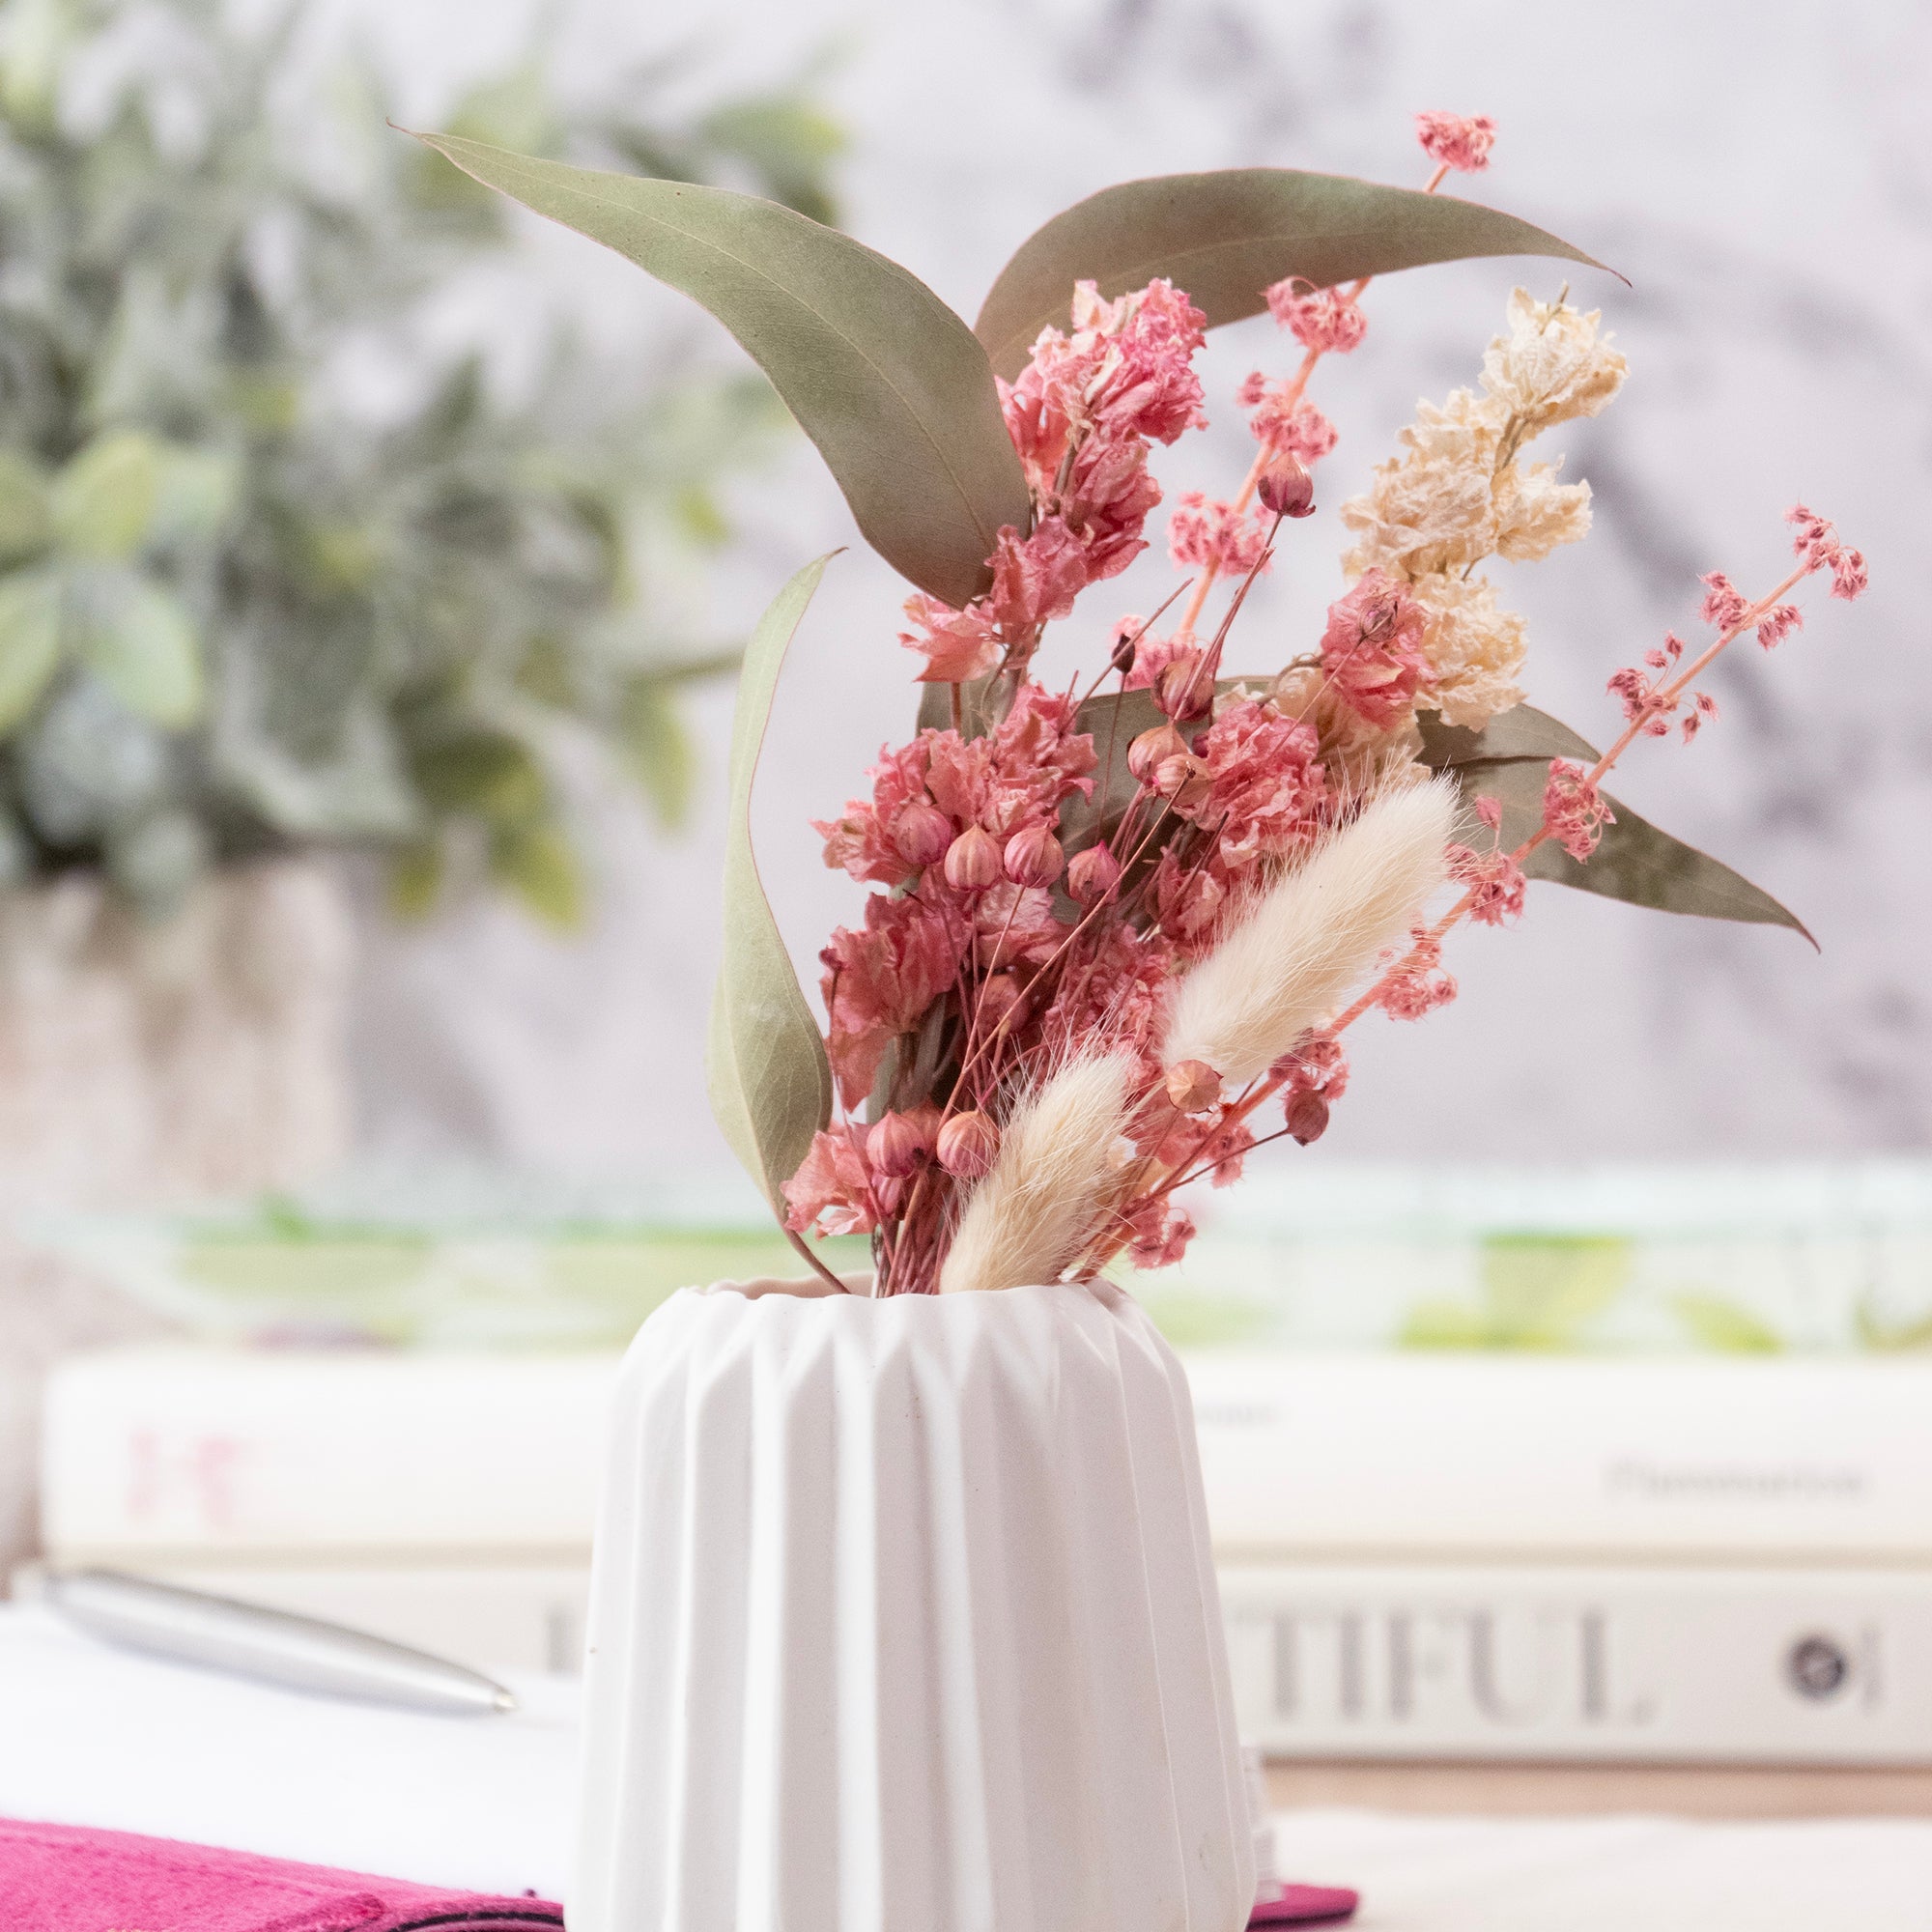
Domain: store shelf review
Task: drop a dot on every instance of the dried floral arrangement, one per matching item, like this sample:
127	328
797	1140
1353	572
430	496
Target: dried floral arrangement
1119	931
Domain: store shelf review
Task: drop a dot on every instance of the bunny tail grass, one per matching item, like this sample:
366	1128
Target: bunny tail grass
1286	966
1031	1216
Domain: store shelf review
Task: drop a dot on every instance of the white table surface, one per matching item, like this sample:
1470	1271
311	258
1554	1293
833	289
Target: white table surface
92	1736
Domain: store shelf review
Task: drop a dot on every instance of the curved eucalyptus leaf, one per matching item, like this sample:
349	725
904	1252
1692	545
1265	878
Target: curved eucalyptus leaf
770	1081
30	614
1227	236
886	379
1520	733
103	502
1634	861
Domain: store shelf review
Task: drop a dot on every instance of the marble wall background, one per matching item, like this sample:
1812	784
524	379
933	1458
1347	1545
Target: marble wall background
1766	185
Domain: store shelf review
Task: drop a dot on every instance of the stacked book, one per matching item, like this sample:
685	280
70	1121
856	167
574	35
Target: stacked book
1509	1522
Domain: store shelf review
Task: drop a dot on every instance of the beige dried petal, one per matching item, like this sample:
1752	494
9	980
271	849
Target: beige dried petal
1553	365
1535	513
1474	649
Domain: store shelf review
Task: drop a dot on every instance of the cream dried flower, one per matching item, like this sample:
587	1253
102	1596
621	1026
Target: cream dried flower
1475	648
1535	513
1553	365
1433	507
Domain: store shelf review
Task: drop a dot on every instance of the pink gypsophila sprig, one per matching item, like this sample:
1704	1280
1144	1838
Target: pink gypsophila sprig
1492	879
1327	321
1459	141
1818	546
1206	534
1574	811
1416	984
1285	425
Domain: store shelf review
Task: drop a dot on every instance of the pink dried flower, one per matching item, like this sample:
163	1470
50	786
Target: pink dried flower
1493	880
1297	429
1036	578
1184	690
1416	985
959	646
1159	1233
1371	649
1206	534
894	1147
1153	656
1014	923
864	841
921	832
1725	606
1266	789
1187	903
1182	780
1324	320
1574	811
1032	856
1286	487
1317	1065
969	1144
880	979
1093	876
1306	1118
833	1185
1818	544
1457	141
1777	623
973	860
1704	710
1152	749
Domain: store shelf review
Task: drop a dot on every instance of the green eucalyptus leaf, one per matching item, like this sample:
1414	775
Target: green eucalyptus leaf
30	623
885	378
138	639
104	500
26	522
1634	861
657	747
770	1081
1227	236
1520	733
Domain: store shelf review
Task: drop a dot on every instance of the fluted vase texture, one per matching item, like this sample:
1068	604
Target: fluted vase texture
903	1617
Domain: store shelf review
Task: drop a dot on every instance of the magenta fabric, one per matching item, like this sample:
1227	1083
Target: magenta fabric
1305	1905
65	1877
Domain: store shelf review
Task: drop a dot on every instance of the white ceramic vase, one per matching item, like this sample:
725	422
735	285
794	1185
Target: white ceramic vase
903	1617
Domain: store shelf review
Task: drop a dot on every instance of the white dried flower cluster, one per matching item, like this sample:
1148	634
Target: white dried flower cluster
1458	495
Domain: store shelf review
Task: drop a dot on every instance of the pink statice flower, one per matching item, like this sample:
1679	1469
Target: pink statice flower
1416	984
1187	903
1035	577
832	1188
959	645
1265	785
1459	141
1819	546
1327	321
880	979
1206	535
1289	429
1371	650
1574	811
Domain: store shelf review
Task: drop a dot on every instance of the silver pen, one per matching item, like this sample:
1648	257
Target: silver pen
251	1640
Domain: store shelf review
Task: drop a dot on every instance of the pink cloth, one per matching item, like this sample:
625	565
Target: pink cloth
63	1878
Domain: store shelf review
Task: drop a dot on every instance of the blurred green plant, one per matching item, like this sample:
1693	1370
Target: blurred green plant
238	615
1536	1291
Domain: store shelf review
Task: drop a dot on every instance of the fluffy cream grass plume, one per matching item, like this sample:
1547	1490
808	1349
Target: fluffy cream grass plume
1285	968
1031	1216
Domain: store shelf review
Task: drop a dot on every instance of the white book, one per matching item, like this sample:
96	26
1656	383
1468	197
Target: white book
1711	1664
186	1451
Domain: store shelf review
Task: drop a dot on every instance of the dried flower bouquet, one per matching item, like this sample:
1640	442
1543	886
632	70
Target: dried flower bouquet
1119	928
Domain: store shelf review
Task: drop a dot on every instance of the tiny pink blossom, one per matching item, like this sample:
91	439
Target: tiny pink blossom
1492	879
1457	141
832	1188
1820	547
1324	320
1206	534
1725	606
1299	430
1777	623
1158	1235
1266	787
1575	811
1371	649
1703	710
1416	985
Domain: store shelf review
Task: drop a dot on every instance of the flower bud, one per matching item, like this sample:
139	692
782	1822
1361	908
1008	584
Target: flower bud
921	832
1192	1085
968	1144
1307	1117
1150	748
1034	857
1287	488
1127	646
1093	875
1182	779
895	1146
973	860
1183	690
998	997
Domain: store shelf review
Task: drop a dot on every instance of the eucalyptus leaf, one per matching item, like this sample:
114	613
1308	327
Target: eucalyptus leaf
657	747
104	500
1520	733
1226	236
885	378
138	639
1634	861
30	611
770	1081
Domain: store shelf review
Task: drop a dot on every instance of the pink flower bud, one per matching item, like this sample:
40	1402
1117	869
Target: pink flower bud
968	1143
1287	488
998	997
1307	1117
1150	748
1032	858
1192	1085
1183	690
973	860
1182	779
921	832
894	1147
1093	875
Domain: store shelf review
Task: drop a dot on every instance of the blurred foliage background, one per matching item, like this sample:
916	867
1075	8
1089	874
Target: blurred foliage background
238	615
